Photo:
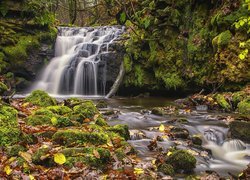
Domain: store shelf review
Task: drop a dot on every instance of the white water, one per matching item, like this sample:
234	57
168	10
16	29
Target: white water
75	69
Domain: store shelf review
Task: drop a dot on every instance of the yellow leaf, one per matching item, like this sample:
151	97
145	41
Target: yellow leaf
31	177
161	128
110	144
54	121
25	165
7	170
240	174
153	161
169	153
138	171
241	56
59	158
26	156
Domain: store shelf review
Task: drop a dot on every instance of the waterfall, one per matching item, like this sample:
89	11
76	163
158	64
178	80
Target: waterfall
78	67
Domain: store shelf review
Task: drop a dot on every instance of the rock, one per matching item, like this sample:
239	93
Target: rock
60	110
166	169
74	136
240	130
201	108
158	111
244	106
222	102
181	160
9	128
121	129
101	122
40	98
40	157
85	110
179	132
101	104
196	139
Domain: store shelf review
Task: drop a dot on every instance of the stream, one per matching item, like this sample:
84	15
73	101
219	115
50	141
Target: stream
218	152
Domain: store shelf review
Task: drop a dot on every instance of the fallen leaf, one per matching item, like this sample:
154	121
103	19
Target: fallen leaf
26	156
31	177
7	170
59	158
161	128
169	153
54	121
138	171
96	154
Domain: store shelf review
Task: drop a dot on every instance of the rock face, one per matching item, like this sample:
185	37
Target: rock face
240	130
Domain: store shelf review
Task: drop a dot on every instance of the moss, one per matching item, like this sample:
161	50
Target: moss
179	132
196	139
42	152
222	39
3	64
3	88
97	157
240	130
18	54
61	110
101	122
244	106
120	154
9	129
85	110
182	160
14	150
122	130
71	102
36	120
101	104
71	137
222	102
158	111
238	97
40	98
166	169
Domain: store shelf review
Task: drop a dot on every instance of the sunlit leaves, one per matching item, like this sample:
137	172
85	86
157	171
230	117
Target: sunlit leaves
59	158
138	171
243	54
123	17
162	128
7	170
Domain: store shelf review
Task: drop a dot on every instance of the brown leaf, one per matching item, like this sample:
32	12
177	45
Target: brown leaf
96	154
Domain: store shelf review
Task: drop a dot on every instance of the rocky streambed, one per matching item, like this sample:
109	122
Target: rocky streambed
124	138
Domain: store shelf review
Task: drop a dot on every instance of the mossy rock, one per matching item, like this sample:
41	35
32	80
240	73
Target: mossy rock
240	130
101	122
238	97
9	129
40	98
77	137
166	169
244	107
221	100
96	157
120	129
15	149
101	104
85	110
158	111
180	132
60	110
42	152
45	116
181	160
196	139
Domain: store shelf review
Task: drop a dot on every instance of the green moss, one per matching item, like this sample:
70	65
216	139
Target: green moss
96	157
127	63
238	97
9	129
85	110
3	64
18	54
240	130
101	104
3	88
15	149
101	122
222	102
42	152
122	130
166	169
244	106
158	111
60	110
182	160
40	98
71	137
36	120
224	38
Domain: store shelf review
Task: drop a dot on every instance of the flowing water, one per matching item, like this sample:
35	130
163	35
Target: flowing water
78	68
227	155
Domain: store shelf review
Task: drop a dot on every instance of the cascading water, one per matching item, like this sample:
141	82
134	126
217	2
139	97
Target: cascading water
78	67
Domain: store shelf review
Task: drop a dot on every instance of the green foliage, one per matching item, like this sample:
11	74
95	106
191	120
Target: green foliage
3	88
40	98
224	38
244	106
222	102
166	169
43	14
